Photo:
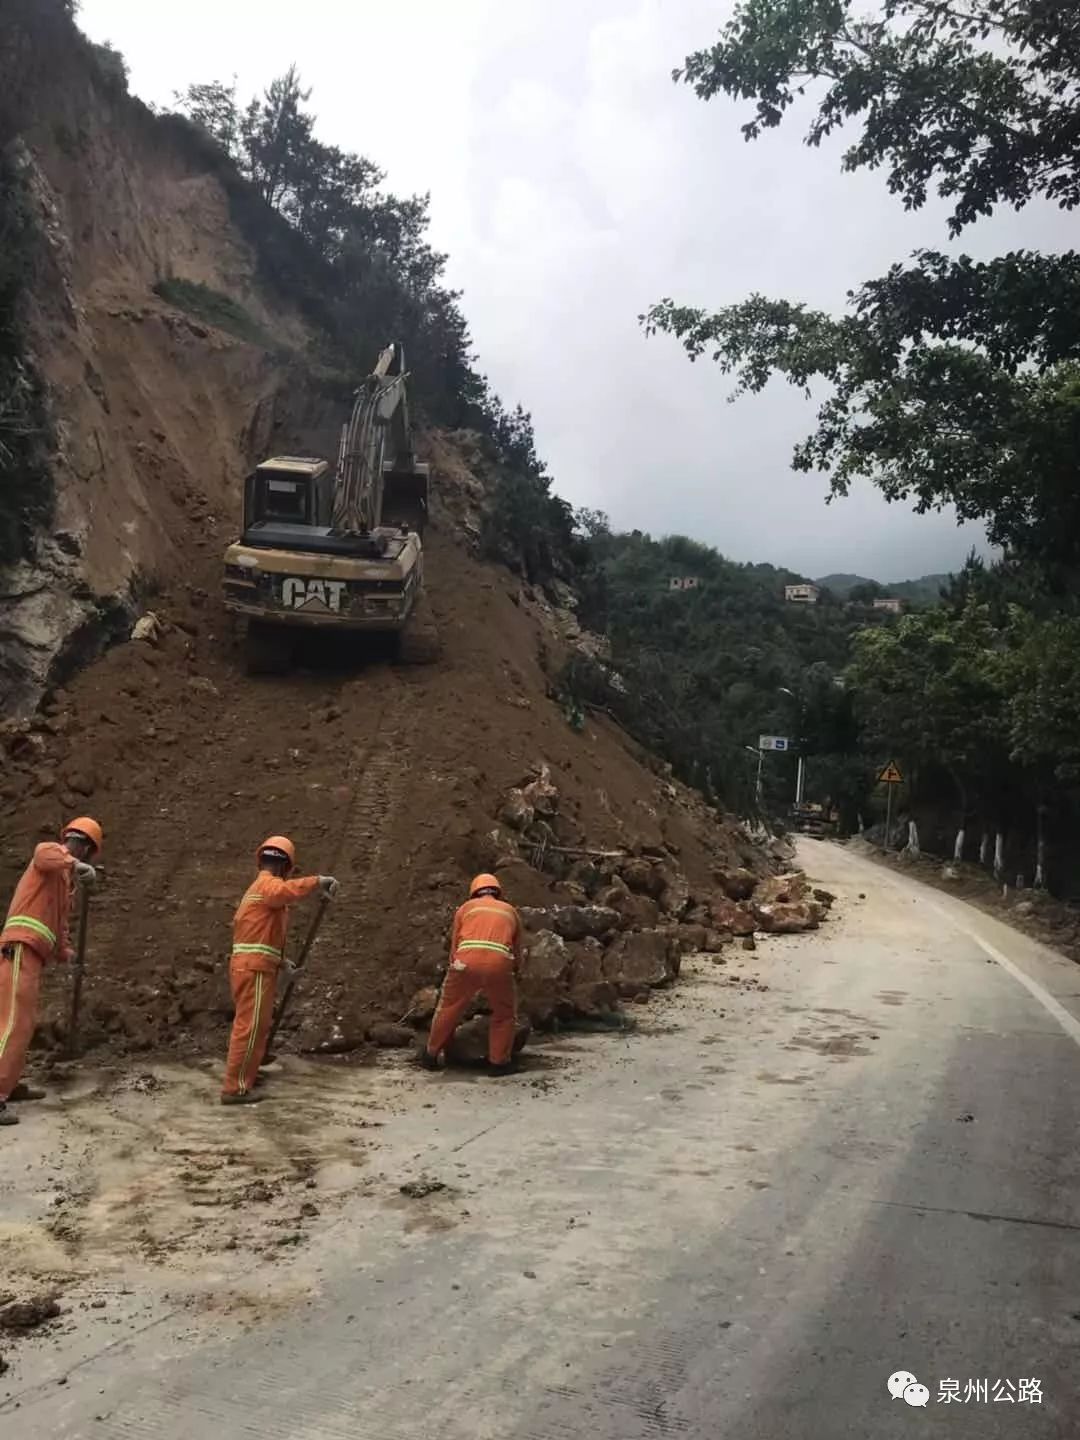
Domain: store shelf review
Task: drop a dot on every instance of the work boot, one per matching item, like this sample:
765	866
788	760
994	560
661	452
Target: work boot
426	1060
23	1091
250	1098
511	1067
7	1117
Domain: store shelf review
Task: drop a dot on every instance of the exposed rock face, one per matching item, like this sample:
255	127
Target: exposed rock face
780	918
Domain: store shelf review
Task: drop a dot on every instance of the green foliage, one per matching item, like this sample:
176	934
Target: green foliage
216	309
948	381
697	675
979	96
331	240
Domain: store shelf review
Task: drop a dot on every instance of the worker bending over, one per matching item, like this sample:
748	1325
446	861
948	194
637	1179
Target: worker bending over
260	926
485	954
35	932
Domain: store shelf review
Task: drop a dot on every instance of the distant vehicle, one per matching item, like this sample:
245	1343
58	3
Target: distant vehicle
819	821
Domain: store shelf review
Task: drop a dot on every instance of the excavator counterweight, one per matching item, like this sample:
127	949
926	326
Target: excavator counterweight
339	550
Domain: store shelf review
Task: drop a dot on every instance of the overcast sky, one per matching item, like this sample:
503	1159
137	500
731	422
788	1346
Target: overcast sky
573	184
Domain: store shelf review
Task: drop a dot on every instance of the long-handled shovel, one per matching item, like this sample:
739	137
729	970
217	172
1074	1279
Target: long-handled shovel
298	965
72	1047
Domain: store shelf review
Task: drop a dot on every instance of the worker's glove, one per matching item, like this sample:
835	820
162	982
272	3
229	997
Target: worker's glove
328	886
85	874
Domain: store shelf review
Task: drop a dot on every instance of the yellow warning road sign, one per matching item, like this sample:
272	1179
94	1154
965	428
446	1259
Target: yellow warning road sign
891	775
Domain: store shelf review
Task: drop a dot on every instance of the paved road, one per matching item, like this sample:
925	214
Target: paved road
738	1225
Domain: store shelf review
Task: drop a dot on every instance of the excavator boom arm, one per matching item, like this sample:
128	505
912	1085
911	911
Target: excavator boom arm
380	409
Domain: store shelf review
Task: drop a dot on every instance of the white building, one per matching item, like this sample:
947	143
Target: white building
806	594
891	603
684	582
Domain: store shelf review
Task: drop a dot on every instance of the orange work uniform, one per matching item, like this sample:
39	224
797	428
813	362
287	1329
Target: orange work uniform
35	932
485	950
260	926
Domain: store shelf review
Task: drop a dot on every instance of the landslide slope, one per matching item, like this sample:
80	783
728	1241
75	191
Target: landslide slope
394	779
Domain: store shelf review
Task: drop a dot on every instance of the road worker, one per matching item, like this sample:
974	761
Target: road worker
485	955
260	926
36	931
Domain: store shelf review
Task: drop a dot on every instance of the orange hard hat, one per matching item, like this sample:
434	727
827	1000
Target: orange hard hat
278	842
484	882
88	828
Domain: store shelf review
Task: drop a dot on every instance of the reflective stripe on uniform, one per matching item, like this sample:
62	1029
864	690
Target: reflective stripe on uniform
253	1032
27	922
256	950
484	945
9	1026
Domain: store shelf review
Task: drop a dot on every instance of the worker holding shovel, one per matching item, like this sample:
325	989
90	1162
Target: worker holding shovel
36	932
260	926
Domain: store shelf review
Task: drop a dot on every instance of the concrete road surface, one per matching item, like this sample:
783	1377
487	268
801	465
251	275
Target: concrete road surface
736	1225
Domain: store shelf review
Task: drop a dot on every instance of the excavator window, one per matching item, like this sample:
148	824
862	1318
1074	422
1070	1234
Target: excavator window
284	499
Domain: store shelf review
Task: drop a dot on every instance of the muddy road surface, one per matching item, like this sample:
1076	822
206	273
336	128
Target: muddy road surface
838	1158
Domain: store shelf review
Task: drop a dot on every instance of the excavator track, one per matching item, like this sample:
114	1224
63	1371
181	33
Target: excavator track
419	642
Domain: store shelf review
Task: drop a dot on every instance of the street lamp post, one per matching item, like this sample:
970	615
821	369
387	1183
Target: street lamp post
800	773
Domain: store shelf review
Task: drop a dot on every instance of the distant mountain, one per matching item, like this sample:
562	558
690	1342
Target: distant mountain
926	590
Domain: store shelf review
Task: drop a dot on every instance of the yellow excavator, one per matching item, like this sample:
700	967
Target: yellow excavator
341	550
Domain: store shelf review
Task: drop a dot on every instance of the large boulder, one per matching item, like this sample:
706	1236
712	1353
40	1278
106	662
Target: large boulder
788	917
731	916
675	896
579	922
642	959
423	1003
547	960
469	1043
692	938
736	884
786	889
643	877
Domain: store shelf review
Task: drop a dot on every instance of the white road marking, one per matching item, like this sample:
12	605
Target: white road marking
1068	1022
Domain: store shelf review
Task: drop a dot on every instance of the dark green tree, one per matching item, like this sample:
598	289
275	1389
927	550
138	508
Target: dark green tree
949	381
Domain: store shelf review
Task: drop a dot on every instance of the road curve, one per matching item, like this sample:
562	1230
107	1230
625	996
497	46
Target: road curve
737	1224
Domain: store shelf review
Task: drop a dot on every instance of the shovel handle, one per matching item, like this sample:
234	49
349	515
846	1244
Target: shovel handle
298	965
79	968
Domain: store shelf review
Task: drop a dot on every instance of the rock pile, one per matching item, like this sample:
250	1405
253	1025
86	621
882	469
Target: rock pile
605	926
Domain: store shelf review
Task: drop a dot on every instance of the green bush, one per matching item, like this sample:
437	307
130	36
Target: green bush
219	310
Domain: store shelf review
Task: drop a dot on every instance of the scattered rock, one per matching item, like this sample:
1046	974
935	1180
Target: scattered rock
148	629
423	1004
732	916
643	877
418	1189
749	943
28	1314
203	685
824	897
390	1036
785	889
516	811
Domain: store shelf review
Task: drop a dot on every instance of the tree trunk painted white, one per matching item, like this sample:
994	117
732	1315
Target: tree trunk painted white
862	823
984	847
958	846
912	846
999	854
1040	851
1019	880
